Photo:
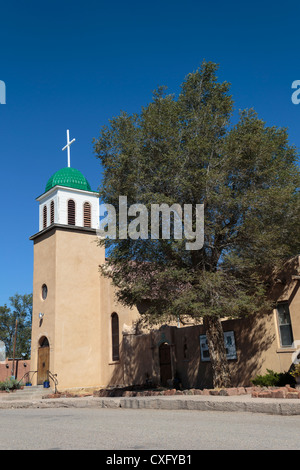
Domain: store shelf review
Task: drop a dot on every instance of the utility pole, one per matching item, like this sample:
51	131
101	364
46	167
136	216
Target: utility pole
13	367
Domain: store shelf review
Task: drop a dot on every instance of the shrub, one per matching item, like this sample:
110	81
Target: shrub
9	384
273	379
296	371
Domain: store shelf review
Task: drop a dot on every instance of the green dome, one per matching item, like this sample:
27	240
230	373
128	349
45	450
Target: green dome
69	177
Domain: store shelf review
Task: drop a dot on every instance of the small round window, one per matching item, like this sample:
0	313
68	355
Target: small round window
44	291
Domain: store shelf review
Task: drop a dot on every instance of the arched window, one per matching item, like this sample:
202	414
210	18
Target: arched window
45	217
115	336
71	212
44	291
86	214
43	342
52	212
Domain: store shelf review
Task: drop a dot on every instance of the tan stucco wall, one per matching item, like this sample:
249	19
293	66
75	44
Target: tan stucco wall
77	311
257	347
113	373
44	272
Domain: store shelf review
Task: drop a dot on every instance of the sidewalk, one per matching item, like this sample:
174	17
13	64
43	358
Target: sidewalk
240	403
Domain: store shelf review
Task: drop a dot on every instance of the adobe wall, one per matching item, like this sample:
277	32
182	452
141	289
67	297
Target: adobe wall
21	366
256	343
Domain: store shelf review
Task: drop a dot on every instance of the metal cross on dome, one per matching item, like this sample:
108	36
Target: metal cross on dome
68	146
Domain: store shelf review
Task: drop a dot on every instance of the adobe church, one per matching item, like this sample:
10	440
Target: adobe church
79	331
76	322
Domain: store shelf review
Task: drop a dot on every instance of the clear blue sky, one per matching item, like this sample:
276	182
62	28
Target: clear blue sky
75	64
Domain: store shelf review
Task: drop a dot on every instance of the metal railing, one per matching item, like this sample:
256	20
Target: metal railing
27	378
53	377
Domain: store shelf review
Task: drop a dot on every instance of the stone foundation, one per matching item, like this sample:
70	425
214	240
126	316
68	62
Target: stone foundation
169	392
276	392
256	392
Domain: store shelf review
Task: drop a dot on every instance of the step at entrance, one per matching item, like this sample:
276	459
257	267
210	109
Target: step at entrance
35	392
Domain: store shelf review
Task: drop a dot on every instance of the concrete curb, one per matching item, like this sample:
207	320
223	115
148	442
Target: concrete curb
202	403
279	407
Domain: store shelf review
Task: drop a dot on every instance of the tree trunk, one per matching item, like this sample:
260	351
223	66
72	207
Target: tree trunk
217	352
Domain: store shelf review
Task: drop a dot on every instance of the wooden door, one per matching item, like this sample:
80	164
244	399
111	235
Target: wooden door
165	363
43	364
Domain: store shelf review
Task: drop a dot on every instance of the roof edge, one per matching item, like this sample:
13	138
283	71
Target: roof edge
58	186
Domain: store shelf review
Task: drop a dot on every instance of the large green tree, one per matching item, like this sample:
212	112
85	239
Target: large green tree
20	309
186	150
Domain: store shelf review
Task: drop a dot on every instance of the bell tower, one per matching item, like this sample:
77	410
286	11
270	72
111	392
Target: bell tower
68	200
76	320
66	320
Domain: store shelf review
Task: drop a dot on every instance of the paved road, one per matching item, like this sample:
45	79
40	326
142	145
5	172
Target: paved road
121	429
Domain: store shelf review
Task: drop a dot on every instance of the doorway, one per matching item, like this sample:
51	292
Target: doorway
43	360
165	363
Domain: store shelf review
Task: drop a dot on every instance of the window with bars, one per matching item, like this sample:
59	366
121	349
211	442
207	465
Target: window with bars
44	216
115	336
52	212
71	212
87	214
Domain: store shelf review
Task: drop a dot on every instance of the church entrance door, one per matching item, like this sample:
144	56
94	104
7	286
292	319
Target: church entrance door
43	361
165	363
